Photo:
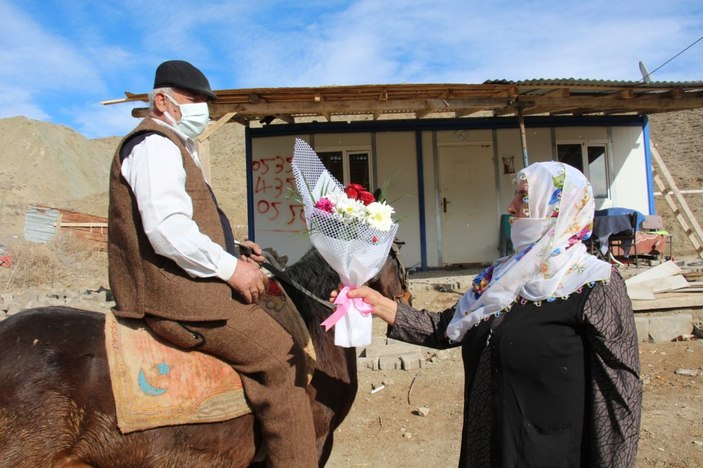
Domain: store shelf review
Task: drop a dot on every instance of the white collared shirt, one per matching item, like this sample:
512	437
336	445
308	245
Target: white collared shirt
155	173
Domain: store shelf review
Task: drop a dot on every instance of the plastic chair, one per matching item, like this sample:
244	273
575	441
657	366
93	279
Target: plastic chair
654	224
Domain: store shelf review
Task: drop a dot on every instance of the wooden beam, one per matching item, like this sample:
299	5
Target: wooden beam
240	119
430	108
559	92
465	112
509	109
671	301
204	155
676	93
664	270
86	225
356	106
558	101
213	127
659	285
287	118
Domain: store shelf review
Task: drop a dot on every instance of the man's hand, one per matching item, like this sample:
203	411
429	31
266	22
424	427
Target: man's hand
255	250
248	280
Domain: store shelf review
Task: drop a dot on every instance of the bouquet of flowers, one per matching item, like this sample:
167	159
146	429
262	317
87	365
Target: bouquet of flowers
352	231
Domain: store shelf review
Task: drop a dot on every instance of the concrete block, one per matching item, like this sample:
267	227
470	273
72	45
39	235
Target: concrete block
668	327
367	363
389	350
379	341
372	349
411	361
642	327
389	363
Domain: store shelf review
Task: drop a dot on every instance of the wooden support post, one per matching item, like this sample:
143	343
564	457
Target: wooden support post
523	137
204	143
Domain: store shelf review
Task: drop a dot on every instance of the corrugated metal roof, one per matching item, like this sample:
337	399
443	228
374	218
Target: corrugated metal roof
605	83
40	224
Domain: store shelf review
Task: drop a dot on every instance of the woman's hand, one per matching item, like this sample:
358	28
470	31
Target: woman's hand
383	308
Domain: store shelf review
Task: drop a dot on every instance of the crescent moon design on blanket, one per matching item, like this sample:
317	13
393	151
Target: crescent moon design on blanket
146	387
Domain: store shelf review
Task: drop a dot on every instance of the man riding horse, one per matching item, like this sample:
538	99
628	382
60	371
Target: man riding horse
173	263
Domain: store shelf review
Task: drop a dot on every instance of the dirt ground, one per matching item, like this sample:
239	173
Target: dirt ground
385	428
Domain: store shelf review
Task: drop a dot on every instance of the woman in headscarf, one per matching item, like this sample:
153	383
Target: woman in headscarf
548	339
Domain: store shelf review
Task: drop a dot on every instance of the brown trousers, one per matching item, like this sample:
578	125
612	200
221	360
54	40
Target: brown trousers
265	356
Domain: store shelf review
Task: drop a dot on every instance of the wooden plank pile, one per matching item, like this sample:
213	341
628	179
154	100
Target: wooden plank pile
665	286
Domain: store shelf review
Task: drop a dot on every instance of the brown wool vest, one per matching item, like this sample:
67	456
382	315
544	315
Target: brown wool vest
144	282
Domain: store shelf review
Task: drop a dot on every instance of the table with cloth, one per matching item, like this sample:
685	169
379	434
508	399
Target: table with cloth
614	221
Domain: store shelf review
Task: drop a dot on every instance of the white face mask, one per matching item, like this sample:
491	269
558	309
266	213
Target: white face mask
194	117
526	231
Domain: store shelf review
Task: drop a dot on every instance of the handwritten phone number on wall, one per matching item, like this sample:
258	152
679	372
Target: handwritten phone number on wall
274	184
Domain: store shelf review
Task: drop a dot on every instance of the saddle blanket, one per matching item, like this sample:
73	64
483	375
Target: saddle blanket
156	384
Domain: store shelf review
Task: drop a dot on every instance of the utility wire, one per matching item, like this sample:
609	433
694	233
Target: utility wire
644	78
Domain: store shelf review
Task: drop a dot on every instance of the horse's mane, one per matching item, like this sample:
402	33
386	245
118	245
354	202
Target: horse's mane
314	274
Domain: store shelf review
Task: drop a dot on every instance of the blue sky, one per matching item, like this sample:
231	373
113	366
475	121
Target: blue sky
60	58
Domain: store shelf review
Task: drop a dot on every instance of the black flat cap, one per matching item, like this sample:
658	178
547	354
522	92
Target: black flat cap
181	74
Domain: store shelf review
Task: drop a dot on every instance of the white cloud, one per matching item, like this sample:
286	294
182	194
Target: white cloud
97	120
38	60
371	42
16	101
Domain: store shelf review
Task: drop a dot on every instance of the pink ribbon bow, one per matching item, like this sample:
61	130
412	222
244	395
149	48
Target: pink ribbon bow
344	306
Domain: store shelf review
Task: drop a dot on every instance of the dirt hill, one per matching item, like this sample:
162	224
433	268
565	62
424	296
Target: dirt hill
52	165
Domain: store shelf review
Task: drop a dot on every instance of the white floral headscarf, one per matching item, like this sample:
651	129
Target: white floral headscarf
551	261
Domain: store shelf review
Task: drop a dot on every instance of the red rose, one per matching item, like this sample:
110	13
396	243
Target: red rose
366	197
353	191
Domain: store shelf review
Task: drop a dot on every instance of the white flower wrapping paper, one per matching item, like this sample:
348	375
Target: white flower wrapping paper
355	248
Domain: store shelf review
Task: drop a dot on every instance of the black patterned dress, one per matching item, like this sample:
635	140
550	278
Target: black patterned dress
548	384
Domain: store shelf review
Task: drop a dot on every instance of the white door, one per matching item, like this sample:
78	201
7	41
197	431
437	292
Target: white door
470	221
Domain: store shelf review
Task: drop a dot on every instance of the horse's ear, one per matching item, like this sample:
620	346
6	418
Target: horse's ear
398	243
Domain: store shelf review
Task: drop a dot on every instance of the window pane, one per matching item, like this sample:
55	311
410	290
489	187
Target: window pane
359	169
334	164
597	171
571	155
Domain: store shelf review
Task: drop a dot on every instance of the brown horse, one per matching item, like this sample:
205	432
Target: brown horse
57	408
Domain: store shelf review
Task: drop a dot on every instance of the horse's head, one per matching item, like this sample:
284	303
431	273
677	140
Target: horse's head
392	280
